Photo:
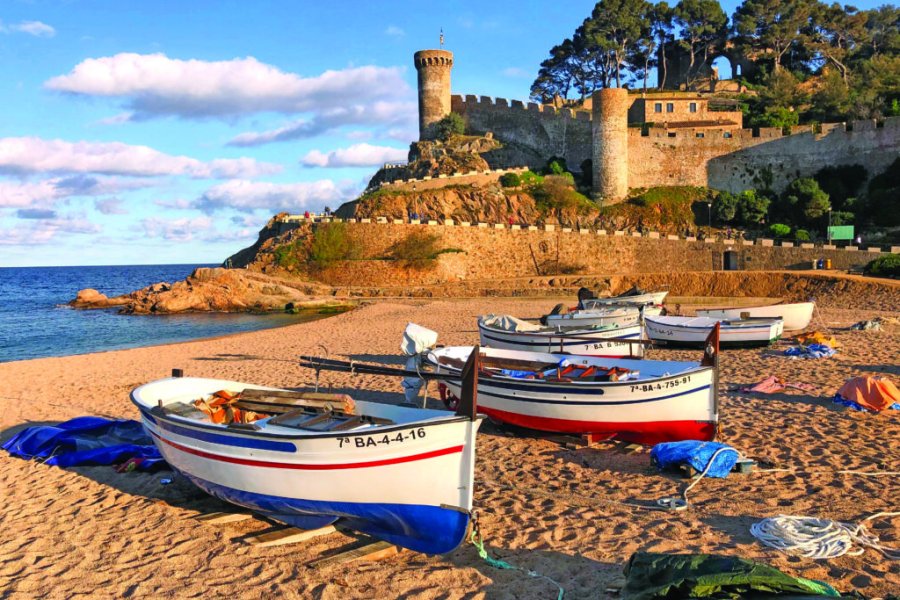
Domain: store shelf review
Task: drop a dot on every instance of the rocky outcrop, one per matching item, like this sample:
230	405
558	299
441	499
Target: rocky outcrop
216	290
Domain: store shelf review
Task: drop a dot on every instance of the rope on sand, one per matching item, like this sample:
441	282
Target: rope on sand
820	538
478	542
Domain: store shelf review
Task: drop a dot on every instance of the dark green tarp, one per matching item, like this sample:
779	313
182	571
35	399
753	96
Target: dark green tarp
650	575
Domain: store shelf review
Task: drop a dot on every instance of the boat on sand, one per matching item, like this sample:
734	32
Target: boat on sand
509	333
644	401
399	474
693	331
796	315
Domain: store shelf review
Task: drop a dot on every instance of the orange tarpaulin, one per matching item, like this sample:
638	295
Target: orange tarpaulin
871	393
817	337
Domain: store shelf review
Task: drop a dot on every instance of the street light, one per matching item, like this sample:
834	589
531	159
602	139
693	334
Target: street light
709	219
416	201
828	233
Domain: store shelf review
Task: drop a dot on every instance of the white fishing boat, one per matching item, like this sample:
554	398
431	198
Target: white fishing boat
644	401
796	315
652	298
504	332
621	316
399	474
693	331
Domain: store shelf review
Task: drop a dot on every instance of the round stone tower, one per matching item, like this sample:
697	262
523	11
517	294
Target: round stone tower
433	67
610	144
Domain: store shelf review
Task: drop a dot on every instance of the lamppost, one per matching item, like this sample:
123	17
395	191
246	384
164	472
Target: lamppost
416	200
709	219
828	233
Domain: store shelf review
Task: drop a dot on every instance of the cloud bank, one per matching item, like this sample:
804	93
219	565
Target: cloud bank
36	155
154	85
358	155
248	196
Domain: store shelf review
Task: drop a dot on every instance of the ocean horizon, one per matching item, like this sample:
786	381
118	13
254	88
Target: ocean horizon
36	322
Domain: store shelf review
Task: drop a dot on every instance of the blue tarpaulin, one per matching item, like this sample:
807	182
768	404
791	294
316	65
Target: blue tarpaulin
696	454
87	441
810	351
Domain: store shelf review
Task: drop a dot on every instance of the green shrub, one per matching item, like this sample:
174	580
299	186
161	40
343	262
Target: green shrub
287	256
803	201
557	193
779	230
555	166
801	235
884	266
530	178
842	184
842	217
450	125
510	180
751	208
724	207
883	206
418	250
332	242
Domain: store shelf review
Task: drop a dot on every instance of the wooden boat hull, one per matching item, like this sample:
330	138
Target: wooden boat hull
666	332
603	317
408	483
680	406
649	298
600	343
796	316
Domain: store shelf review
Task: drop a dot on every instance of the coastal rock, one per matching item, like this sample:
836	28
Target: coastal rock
214	290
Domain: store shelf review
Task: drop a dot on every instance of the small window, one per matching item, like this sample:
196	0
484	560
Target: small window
700	134
693	107
727	134
671	134
670	107
657	107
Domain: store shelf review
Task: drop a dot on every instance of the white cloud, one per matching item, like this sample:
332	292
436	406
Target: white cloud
37	155
154	85
358	155
248	196
43	231
394	31
515	73
110	206
47	193
38	194
383	114
35	28
176	230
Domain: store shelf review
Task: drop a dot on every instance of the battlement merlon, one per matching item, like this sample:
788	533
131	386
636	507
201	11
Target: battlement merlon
460	104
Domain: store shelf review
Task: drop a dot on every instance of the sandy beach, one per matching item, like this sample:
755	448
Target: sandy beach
568	514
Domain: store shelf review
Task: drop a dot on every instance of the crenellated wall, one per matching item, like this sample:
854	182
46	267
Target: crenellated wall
532	132
737	160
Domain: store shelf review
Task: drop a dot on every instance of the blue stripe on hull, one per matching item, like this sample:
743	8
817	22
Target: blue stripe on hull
254	443
419	527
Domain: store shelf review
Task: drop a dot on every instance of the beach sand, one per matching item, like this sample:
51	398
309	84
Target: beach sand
90	532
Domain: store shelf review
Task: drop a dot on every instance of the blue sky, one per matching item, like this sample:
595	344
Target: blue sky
169	131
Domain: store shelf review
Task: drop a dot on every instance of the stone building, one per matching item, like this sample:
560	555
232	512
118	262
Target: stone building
692	142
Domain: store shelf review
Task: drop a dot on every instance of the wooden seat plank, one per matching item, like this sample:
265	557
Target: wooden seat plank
369	552
287	535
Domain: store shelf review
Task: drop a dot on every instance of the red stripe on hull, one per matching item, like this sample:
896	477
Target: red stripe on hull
650	432
310	467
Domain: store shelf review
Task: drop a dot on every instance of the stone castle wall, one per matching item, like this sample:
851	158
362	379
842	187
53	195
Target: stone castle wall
532	132
736	160
500	252
720	158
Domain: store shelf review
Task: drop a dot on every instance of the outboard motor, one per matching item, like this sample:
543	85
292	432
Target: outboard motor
416	341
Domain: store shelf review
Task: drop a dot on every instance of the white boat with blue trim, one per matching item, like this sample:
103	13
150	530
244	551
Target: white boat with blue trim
644	401
509	333
693	331
399	474
608	316
796	315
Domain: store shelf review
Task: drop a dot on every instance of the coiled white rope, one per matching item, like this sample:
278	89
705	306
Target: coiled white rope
820	538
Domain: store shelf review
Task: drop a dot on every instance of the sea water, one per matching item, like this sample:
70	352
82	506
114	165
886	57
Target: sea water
35	321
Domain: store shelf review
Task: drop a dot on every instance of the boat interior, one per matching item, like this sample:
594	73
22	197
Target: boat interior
516	364
238	406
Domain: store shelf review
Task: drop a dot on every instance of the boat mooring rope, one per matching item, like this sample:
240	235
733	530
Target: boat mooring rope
820	538
478	542
673	503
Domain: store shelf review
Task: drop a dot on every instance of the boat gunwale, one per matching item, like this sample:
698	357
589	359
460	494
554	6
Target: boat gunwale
561	334
154	414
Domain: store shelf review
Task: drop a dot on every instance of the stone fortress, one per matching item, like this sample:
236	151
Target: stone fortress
665	138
